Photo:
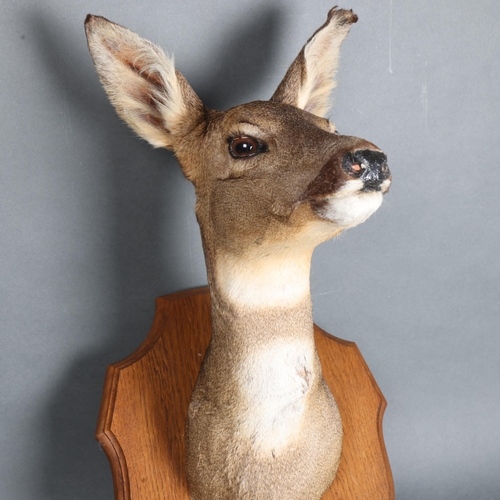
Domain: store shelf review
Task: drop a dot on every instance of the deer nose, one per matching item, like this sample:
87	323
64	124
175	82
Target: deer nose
368	165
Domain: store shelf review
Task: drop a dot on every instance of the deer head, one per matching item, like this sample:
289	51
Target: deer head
273	179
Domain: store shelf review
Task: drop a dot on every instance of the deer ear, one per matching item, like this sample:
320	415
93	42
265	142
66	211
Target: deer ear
142	83
309	81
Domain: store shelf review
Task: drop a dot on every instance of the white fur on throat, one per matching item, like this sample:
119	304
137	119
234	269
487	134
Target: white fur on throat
264	282
275	381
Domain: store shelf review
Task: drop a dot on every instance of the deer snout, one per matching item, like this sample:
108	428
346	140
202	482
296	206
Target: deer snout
369	166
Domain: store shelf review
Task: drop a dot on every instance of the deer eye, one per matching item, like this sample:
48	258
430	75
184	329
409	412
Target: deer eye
245	147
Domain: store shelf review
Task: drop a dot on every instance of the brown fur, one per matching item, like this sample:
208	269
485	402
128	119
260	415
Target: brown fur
262	424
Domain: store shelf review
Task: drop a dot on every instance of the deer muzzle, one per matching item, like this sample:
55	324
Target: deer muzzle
369	166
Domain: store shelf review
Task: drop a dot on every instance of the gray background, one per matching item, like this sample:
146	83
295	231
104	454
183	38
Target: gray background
94	224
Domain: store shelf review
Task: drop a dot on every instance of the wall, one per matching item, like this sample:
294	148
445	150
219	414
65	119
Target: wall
95	224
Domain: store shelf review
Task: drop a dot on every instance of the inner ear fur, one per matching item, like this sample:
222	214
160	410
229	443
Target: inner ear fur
309	81
143	84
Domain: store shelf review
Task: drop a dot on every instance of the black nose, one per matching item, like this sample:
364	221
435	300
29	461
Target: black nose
368	165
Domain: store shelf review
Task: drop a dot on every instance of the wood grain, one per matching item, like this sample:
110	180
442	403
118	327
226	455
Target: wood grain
146	396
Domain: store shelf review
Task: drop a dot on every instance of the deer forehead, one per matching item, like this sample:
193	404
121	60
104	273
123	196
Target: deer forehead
274	115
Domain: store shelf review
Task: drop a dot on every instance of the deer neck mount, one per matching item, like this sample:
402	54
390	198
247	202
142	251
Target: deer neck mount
273	179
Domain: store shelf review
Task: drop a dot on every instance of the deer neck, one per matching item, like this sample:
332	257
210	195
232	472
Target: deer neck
261	302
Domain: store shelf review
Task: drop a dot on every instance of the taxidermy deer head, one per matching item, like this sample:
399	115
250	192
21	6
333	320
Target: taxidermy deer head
273	179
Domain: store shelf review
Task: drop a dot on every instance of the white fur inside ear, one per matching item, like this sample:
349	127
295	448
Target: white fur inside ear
140	80
321	55
333	127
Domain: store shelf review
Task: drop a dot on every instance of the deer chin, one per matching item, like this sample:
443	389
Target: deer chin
351	205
